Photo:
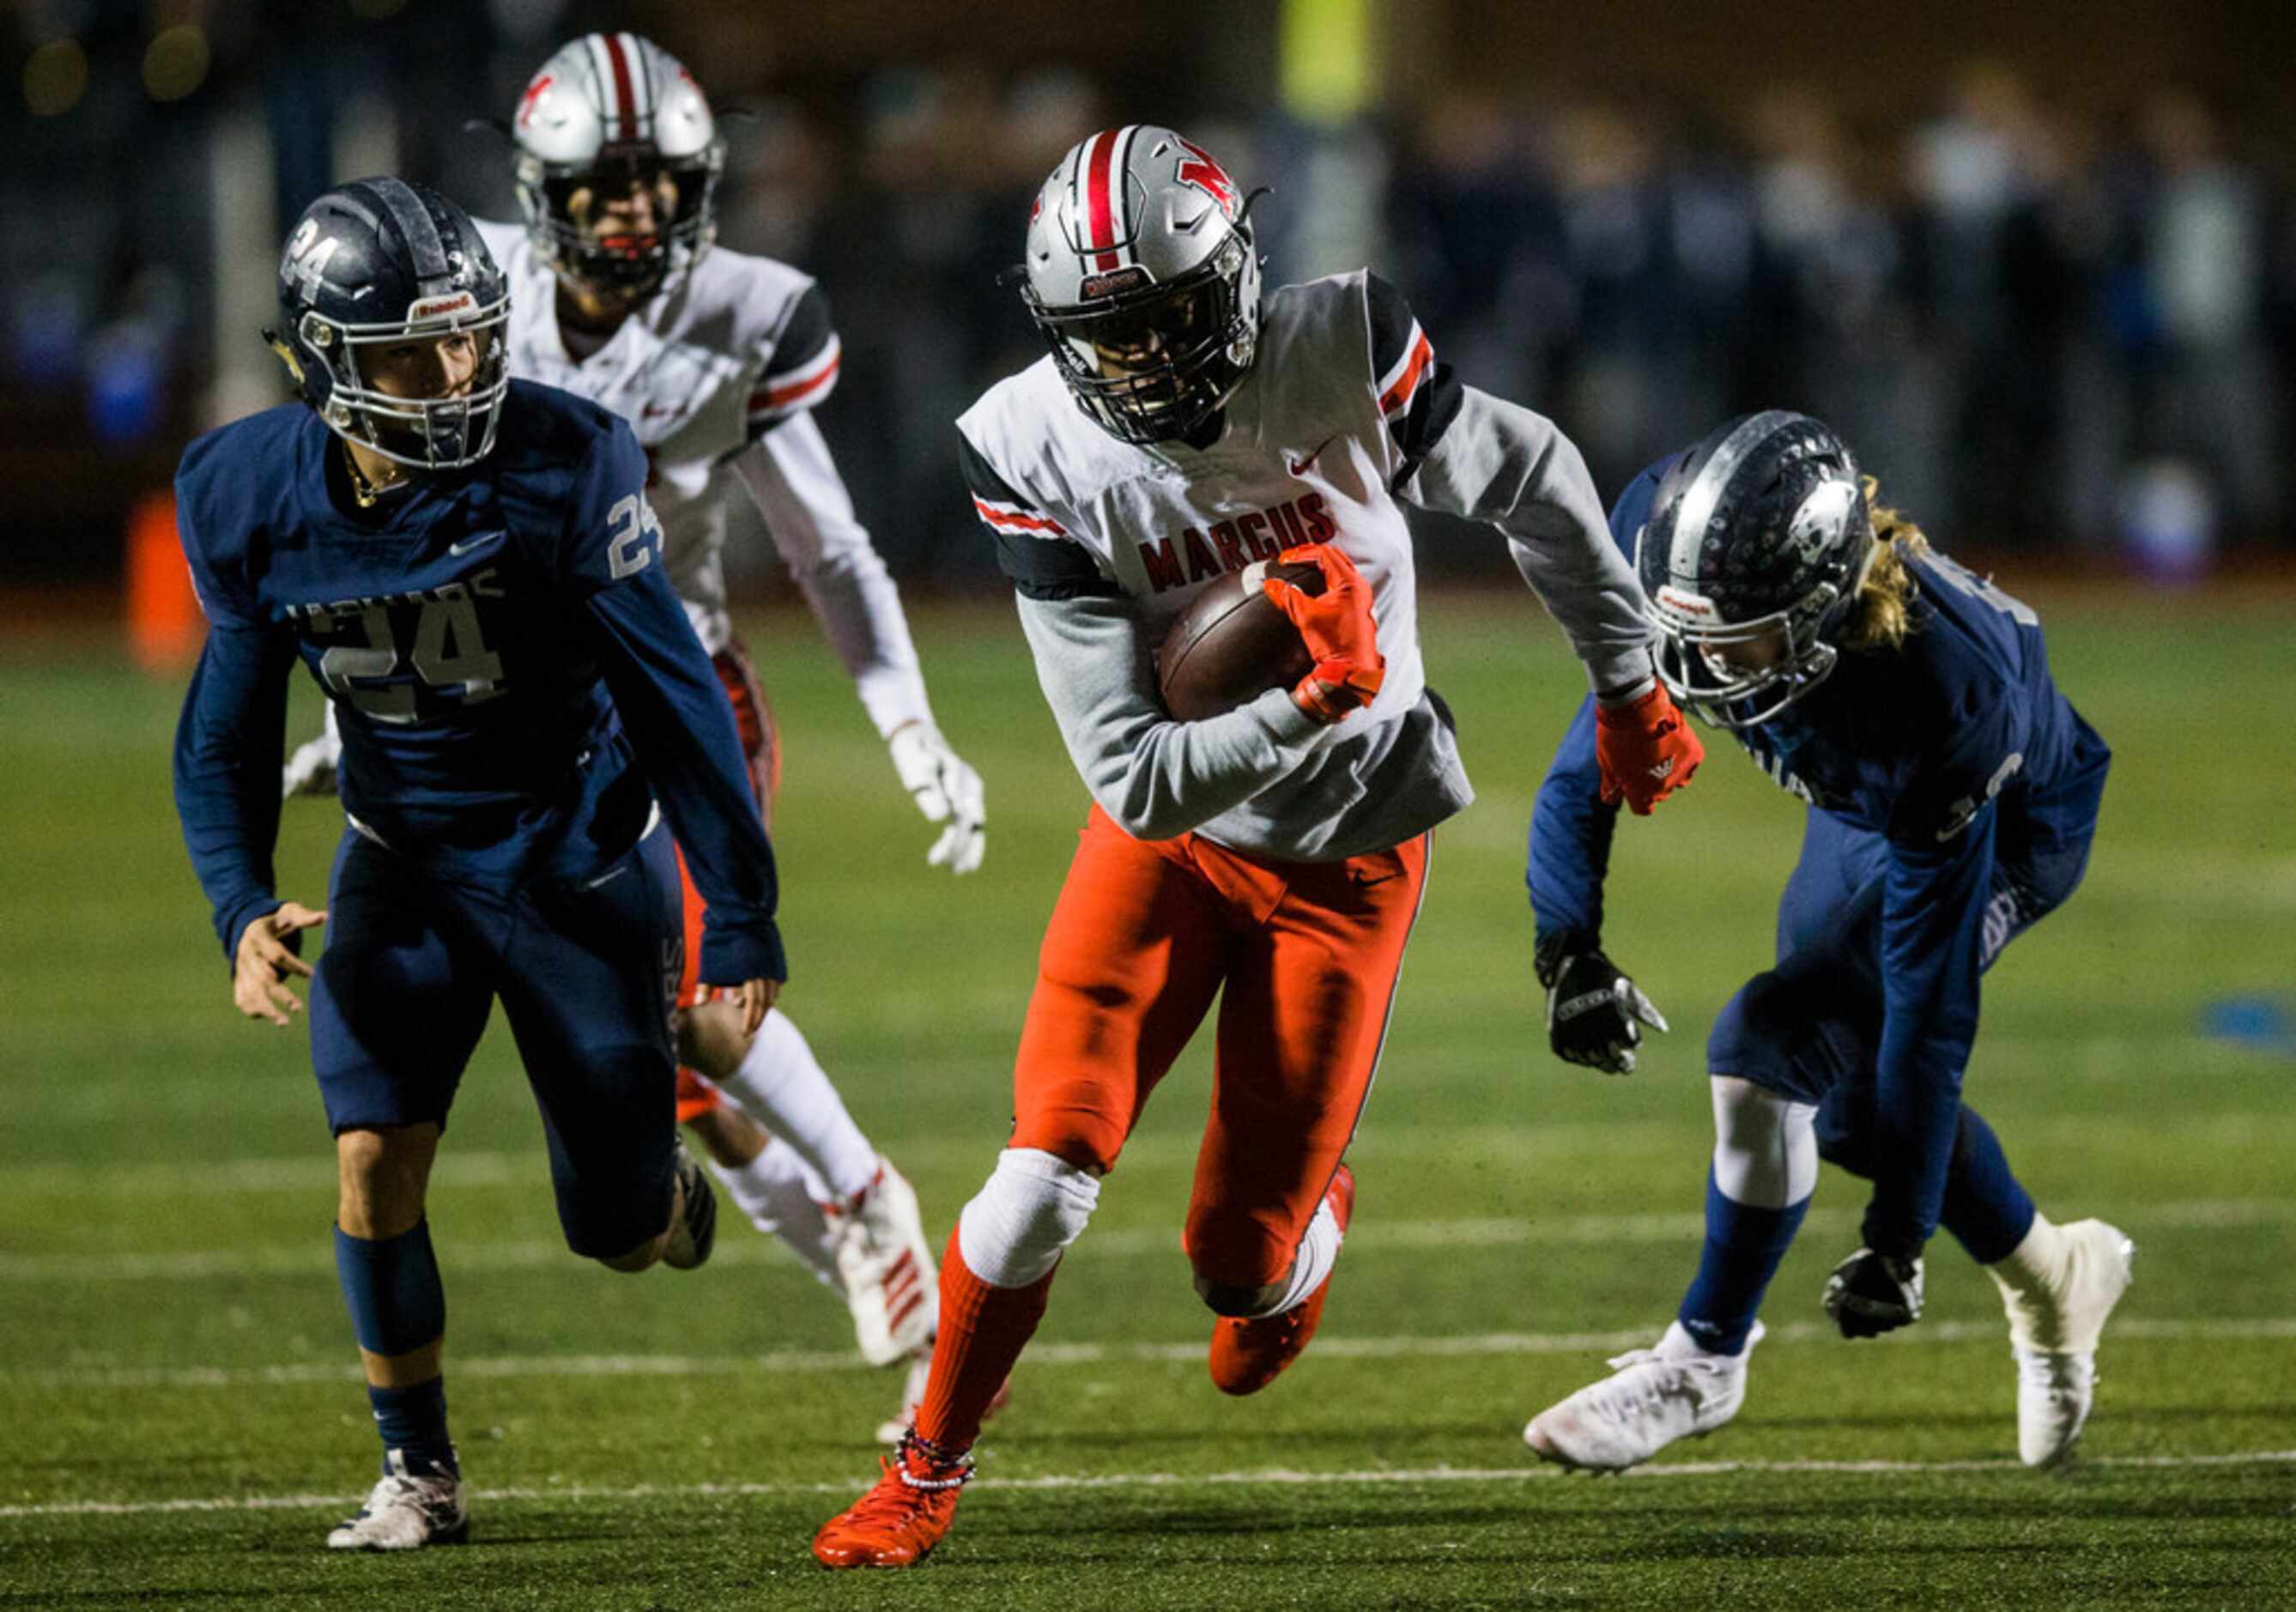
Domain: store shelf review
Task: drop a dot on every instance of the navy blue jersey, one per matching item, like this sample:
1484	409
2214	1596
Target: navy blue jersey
517	682
1961	771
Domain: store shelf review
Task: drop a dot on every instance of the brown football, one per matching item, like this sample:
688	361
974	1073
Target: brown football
1232	644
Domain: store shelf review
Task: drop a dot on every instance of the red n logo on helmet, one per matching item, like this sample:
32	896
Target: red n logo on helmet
1209	177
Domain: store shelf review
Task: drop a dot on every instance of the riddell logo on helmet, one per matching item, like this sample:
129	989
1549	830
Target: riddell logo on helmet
1110	286
435	307
1688	603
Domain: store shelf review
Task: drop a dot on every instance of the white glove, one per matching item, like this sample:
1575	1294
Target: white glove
311	769
947	790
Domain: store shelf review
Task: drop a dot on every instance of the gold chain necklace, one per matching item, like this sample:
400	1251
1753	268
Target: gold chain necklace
368	493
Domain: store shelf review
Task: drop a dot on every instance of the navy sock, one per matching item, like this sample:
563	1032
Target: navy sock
1986	1208
413	1420
1743	1247
391	1286
397	1304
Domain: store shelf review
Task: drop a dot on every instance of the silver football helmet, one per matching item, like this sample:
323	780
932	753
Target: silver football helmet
607	116
1142	277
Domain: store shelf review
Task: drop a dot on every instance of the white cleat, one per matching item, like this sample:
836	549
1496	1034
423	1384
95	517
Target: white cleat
895	1428
406	1511
886	1268
311	769
1653	1397
2062	1283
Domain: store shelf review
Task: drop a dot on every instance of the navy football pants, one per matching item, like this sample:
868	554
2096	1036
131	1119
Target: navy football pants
1809	1028
586	970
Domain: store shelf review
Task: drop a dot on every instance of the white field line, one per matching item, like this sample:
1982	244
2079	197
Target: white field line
1572	1230
816	1361
1522	1144
1269	1477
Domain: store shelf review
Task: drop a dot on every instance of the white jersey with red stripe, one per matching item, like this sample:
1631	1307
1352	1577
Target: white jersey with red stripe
1306	456
716	376
1344	415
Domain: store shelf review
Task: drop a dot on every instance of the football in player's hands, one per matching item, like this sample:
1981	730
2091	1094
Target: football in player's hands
1232	643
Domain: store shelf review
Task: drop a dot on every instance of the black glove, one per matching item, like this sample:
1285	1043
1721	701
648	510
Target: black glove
1870	1293
1594	1014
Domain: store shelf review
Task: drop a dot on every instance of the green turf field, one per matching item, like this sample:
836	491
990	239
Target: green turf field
179	1415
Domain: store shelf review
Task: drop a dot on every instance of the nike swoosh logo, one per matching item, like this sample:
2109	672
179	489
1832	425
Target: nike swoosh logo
1299	467
473	544
652	410
1365	884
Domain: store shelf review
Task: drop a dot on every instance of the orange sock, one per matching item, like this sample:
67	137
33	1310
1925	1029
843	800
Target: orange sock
982	1331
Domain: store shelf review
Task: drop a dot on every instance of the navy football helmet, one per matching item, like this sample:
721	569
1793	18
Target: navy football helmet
1757	542
380	262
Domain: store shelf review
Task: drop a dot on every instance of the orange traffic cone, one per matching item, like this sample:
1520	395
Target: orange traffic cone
165	627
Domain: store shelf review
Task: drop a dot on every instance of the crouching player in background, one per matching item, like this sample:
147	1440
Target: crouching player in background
467	566
717	360
1272	855
1952	795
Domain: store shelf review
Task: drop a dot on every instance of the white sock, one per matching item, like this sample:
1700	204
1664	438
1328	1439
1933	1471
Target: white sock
782	1196
2034	1264
781	1085
1319	1251
1764	1145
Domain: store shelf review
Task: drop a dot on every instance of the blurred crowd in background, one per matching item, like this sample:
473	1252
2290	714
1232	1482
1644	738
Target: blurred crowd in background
2040	326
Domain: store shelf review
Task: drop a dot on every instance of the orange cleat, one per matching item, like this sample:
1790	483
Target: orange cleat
1247	1355
898	1523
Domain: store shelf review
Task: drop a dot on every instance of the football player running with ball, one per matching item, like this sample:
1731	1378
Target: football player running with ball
1952	794
716	358
467	564
1179	431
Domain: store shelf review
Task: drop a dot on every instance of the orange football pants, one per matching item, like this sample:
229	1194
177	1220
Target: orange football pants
1304	957
761	749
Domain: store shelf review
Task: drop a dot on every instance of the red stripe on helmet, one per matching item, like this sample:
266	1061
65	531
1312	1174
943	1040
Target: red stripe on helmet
625	96
1099	217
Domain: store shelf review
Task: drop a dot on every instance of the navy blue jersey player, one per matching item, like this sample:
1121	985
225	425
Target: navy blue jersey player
1951	794
469	568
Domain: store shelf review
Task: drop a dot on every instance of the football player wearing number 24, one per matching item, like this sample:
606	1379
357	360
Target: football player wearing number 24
1177	430
1951	794
467	566
717	360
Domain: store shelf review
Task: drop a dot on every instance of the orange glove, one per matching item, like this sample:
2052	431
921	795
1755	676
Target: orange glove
1337	625
1645	749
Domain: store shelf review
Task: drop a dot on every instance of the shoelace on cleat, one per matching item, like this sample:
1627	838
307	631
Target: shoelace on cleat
894	1505
1651	1388
395	1486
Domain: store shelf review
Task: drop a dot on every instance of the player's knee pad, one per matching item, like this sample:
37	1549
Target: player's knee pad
1017	1226
1764	1145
